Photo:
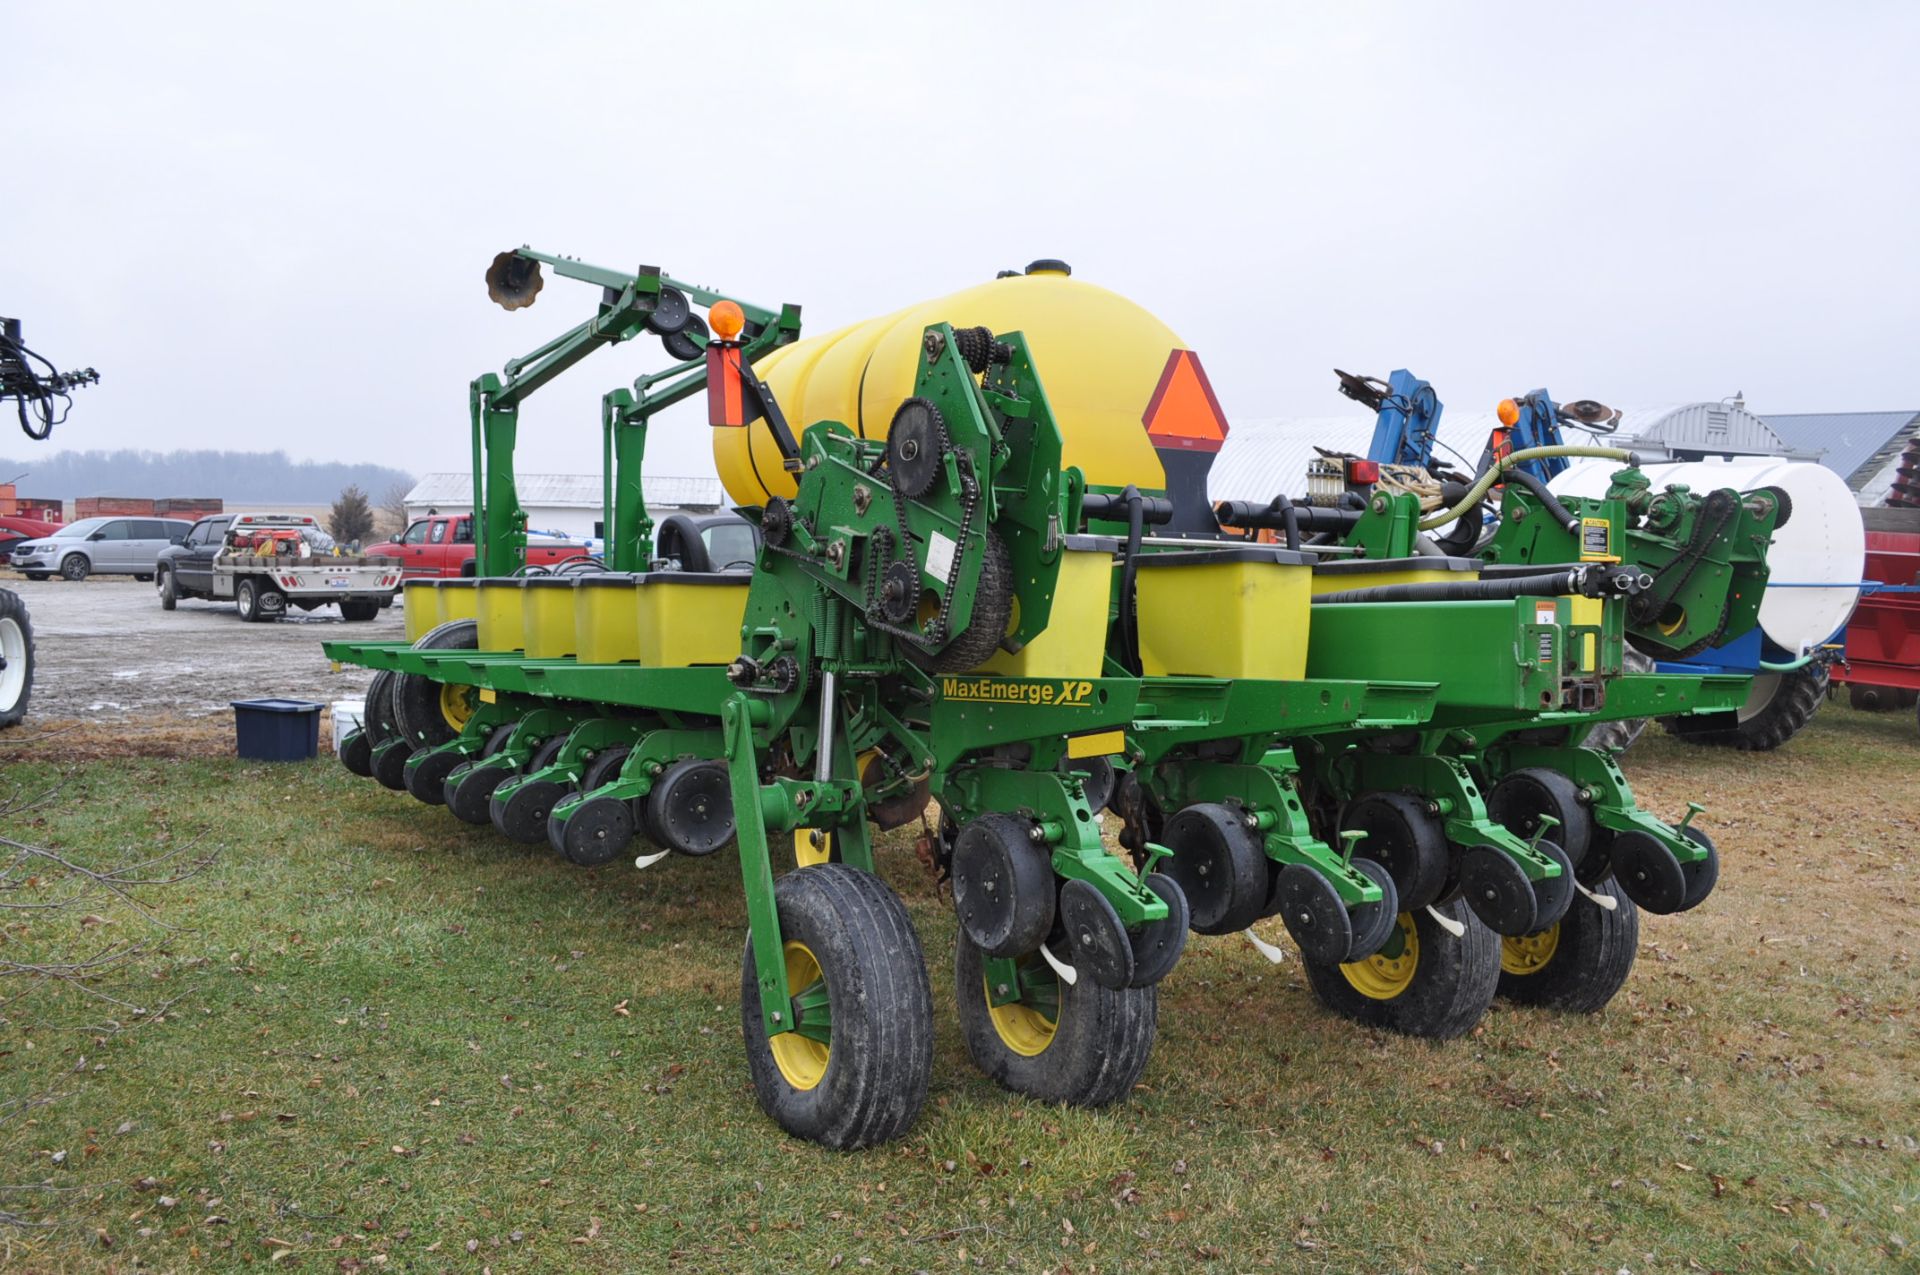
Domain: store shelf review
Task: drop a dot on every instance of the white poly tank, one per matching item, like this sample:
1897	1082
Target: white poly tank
1823	540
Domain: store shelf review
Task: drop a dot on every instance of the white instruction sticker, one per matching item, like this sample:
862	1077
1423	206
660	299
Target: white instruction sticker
1544	613
939	556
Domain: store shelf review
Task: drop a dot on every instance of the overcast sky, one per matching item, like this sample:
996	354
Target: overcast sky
267	225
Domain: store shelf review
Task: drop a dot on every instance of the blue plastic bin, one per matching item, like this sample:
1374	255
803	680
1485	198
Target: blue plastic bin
277	729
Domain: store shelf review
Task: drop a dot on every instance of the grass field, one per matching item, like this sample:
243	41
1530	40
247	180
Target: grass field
400	1043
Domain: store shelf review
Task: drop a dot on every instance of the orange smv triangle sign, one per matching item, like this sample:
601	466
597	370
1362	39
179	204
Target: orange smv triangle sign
1183	412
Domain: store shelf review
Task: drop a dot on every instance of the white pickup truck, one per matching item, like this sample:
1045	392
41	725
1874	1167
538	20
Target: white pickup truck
264	563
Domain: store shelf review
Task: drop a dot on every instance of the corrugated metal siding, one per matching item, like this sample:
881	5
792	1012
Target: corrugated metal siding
1855	445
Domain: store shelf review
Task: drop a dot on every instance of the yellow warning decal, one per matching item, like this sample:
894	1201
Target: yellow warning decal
998	690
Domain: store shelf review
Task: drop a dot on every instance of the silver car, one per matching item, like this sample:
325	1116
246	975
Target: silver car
110	546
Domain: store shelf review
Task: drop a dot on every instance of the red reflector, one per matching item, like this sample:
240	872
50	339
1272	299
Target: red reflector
1363	471
725	400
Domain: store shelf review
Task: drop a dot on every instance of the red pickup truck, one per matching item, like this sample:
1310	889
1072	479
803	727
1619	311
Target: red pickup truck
441	545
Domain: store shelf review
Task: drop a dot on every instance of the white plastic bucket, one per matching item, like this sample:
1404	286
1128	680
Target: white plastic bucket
346	718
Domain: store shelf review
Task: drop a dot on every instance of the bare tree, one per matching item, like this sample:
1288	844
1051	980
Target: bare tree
112	916
393	508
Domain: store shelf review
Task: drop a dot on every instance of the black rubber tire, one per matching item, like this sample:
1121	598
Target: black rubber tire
880	1061
163	584
1703	875
1796	698
468	792
144	577
1619	736
19	627
1101	1041
1590	961
377	719
1879	699
1451	986
75	567
1404	839
246	600
390	764
427	778
416	697
522	816
996	860
1522	796
1373	922
1218	863
992	609
356	754
38	575
359	610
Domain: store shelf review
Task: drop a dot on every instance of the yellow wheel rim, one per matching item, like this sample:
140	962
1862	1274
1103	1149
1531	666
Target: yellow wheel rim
1529	953
1669	629
1390	971
801	1060
456	704
1023	1028
808	852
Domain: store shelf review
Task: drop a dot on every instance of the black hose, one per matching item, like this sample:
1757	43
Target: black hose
1291	518
1461	538
1548	501
1563	583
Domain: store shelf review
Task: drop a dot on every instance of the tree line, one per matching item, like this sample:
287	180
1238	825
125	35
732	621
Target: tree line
233	476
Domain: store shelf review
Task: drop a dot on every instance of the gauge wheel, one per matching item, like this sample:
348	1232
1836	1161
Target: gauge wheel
1424	981
1079	1043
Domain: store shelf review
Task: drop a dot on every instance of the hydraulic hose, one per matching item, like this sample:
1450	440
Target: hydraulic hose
1586	580
1548	501
1484	483
1281	513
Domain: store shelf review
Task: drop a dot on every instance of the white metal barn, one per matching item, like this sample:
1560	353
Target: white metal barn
566	504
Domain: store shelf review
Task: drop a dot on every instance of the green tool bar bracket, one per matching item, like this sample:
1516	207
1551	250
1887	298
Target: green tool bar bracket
1177	712
968	713
651	751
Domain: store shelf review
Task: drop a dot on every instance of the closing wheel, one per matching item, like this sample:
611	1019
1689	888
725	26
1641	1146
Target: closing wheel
1314	914
469	790
431	712
690	810
522	815
427	778
1578	965
1552	898
1003	884
1097	943
1218	864
1423	982
1702	874
1520	798
1405	839
356	754
595	833
856	1070
1497	890
1648	872
1078	1043
1373	922
1157	945
390	764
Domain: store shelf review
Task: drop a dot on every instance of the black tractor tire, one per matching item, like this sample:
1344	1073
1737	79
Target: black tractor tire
75	567
418	704
1796	697
164	585
1443	996
1092	1055
879	1062
1578	965
16	653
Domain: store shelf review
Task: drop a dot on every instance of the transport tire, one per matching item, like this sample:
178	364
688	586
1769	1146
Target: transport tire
1425	982
164	585
848	936
75	567
16	658
1779	707
1080	1043
1578	965
430	712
